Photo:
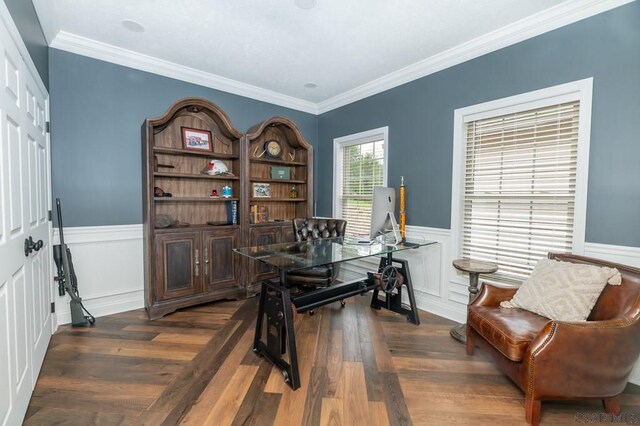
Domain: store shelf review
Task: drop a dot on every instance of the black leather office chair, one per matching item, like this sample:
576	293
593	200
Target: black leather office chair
313	229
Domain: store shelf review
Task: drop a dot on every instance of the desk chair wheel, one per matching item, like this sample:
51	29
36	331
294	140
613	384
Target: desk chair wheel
311	313
342	304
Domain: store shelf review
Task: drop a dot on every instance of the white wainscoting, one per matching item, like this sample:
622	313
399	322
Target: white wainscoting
108	261
619	254
109	265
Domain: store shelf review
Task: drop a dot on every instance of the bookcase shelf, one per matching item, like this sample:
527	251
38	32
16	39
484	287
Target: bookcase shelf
208	154
193	199
195	176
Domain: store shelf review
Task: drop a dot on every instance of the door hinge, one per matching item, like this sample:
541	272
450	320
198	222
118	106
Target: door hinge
49	215
48	127
53	307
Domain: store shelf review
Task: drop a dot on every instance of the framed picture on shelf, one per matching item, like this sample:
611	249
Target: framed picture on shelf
196	140
261	190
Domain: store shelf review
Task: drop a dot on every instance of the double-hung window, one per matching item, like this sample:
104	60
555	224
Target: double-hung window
359	164
520	178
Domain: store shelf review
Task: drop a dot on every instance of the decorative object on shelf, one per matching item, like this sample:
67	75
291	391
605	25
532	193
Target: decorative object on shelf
292	156
214	194
278	172
293	193
403	213
259	214
232	212
261	190
165	221
227	191
273	149
258	155
196	139
158	192
216	167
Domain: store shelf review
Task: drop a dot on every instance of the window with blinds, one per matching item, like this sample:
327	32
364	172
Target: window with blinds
519	187
360	168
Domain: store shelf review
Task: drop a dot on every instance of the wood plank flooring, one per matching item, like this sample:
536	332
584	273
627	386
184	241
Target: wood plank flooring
358	366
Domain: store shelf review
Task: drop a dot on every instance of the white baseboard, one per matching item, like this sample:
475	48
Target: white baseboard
106	305
108	261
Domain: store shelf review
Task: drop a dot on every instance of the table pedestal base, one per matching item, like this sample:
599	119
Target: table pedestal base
459	332
474	268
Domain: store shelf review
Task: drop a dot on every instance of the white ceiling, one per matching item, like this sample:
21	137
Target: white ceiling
340	45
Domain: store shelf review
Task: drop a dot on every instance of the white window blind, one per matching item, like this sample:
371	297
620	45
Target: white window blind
520	187
361	168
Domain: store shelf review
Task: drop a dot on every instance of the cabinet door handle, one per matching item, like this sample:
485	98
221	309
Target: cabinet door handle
206	261
197	264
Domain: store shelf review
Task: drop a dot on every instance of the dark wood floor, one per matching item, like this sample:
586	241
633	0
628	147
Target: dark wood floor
358	366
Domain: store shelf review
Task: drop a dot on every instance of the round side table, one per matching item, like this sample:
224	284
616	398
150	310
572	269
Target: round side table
474	268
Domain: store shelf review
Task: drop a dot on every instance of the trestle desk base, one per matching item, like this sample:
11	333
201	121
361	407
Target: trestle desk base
275	336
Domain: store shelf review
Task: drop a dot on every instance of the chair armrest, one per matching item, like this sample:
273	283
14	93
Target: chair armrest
589	359
491	295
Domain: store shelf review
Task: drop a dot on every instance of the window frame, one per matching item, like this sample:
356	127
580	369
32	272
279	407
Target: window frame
580	90
368	136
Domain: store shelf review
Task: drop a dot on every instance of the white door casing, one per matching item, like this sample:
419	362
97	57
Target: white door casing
25	281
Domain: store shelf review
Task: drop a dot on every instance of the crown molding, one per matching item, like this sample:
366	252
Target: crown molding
105	52
550	19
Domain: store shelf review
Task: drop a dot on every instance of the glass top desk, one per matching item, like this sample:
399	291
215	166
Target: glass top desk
275	315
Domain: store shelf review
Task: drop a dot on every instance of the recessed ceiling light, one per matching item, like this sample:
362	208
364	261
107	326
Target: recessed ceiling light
311	85
134	26
305	4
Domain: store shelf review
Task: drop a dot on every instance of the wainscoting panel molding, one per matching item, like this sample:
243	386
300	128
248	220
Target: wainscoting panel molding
108	263
619	254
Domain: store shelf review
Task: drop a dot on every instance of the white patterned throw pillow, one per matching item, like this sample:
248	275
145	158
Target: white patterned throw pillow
563	291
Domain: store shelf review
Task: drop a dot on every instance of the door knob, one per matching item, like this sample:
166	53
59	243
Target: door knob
30	245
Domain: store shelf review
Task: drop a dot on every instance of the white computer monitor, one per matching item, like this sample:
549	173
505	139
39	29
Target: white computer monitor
383	220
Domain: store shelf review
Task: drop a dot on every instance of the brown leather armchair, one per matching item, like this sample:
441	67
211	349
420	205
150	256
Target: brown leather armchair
551	360
312	229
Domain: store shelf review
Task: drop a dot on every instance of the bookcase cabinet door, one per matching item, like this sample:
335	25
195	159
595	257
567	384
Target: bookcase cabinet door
288	234
262	235
221	264
177	265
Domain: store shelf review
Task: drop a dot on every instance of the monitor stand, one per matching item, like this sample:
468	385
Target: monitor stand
393	239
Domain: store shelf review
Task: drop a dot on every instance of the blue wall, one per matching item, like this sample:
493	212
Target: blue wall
97	109
420	119
25	18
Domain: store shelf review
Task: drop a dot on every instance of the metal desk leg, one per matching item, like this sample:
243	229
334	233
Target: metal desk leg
393	302
275	303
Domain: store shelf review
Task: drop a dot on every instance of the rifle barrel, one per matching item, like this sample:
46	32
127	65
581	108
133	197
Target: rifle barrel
59	208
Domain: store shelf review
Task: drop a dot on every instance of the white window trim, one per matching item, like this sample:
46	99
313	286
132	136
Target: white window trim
580	90
381	133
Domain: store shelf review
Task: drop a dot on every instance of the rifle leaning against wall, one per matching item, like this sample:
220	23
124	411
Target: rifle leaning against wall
67	280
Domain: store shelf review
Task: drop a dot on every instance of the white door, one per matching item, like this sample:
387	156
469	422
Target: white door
25	280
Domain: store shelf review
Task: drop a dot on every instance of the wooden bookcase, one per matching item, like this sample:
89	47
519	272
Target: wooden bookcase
296	155
192	261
